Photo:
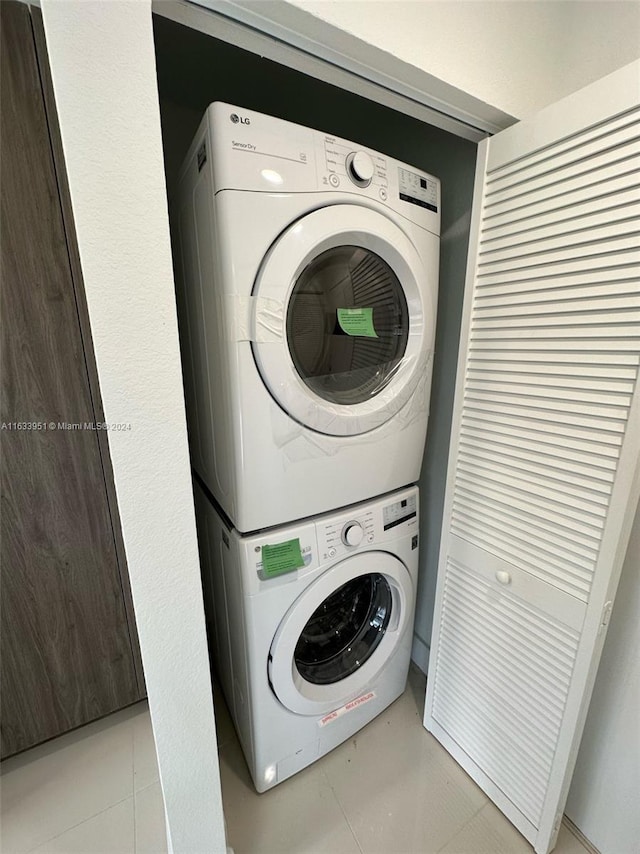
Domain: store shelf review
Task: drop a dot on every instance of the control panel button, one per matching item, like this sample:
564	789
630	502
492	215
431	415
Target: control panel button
383	194
352	534
334	180
360	168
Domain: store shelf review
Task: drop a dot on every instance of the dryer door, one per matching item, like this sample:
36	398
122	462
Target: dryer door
339	634
342	333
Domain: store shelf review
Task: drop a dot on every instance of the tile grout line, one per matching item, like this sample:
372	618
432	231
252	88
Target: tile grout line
460	829
79	823
153	782
337	800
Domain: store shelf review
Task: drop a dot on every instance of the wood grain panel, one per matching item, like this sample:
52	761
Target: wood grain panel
66	651
85	328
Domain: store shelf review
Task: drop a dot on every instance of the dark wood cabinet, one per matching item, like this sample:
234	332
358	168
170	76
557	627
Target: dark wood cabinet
68	640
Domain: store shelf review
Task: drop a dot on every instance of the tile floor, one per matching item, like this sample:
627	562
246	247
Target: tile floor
391	789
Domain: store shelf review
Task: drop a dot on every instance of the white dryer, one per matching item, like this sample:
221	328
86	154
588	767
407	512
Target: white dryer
307	271
312	626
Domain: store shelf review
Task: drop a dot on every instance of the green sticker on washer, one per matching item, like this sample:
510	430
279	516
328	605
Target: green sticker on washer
282	557
357	321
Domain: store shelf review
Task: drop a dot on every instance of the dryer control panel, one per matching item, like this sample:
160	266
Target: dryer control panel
344	162
246	150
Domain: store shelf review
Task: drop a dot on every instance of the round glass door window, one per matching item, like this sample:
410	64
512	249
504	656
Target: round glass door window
345	630
347	324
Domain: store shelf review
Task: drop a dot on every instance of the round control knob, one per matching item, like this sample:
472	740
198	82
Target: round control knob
360	168
352	534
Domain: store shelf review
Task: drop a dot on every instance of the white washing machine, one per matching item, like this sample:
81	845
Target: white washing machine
312	625
307	272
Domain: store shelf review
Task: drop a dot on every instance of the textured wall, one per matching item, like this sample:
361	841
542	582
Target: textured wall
604	792
517	56
103	67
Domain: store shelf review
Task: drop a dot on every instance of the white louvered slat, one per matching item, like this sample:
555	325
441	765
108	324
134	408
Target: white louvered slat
583	337
534	554
583	235
570	539
549	388
543	456
532	547
601	448
540	507
530	373
542	291
591	348
596	185
610	135
567	208
574	359
552	183
476	689
550	455
562	252
536	462
529	409
623	308
594	268
502	184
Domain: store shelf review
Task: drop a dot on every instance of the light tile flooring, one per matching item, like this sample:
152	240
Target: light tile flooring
391	789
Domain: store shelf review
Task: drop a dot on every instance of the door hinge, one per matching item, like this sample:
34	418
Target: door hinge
606	614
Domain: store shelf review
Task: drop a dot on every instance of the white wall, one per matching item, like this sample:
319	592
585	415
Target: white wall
103	68
604	792
515	55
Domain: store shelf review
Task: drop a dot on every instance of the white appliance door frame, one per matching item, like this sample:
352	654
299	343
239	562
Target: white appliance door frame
303	697
543	435
323	229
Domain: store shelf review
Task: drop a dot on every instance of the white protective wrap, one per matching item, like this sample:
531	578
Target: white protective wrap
403	397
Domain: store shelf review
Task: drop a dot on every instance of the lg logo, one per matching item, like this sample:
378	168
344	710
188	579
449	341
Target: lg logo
236	119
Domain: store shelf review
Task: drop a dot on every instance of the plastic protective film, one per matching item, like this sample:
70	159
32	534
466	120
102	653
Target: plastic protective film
371	367
254	319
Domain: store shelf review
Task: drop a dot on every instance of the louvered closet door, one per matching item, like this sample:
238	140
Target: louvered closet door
543	471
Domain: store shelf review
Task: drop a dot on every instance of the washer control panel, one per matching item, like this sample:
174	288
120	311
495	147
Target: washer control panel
343	536
352	533
398	512
359	527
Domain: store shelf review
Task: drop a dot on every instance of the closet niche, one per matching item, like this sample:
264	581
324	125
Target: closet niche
194	69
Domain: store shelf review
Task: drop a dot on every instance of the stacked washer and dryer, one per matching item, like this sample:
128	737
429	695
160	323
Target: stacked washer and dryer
307	270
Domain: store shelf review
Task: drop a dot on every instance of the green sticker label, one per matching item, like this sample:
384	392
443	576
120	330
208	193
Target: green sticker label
357	321
283	557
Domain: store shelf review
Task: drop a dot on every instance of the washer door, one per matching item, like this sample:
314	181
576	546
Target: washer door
340	633
354	334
